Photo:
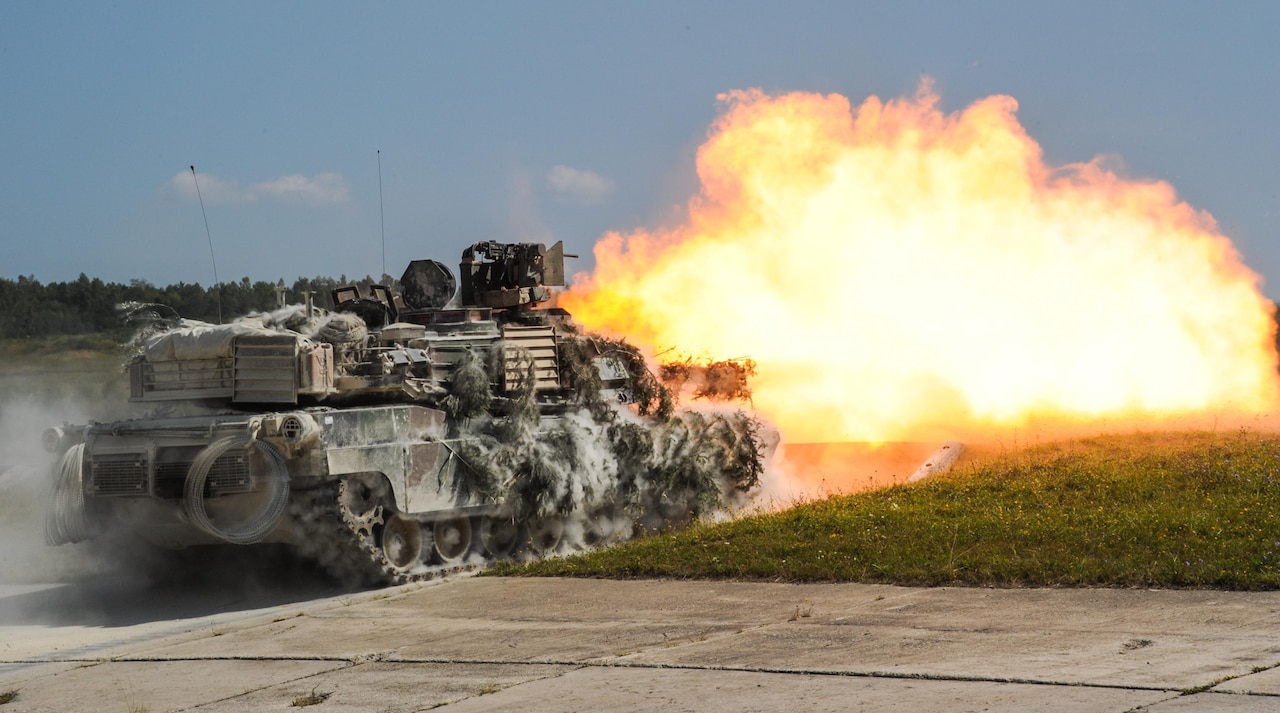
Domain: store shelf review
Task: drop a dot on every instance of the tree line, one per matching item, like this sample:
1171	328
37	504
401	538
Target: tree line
87	305
29	308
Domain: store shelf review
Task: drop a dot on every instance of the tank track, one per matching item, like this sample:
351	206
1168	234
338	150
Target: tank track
345	543
338	524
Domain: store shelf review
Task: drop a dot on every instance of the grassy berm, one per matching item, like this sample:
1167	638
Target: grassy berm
1143	510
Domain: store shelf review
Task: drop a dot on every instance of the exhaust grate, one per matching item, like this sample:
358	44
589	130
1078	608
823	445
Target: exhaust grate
229	474
124	475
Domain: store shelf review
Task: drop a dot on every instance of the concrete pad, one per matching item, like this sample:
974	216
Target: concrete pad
390	688
93	618
1143	639
1067	610
232	624
493	619
1105	637
700	691
156	686
591	600
13	676
1095	658
487	643
1215	702
1264	682
429	638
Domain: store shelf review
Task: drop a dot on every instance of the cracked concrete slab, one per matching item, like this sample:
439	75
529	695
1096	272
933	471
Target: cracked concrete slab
1079	657
1215	702
484	643
156	686
387	688
702	691
1263	682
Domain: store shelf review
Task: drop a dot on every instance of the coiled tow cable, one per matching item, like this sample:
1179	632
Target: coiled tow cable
64	519
253	528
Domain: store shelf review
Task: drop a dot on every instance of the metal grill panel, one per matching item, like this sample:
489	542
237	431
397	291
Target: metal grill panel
180	379
169	477
168	472
536	344
125	475
266	369
230	474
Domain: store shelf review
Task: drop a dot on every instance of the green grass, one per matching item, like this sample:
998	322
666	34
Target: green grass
1142	510
311	699
64	347
87	368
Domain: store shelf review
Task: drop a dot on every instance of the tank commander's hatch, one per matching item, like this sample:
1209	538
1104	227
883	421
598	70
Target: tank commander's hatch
377	310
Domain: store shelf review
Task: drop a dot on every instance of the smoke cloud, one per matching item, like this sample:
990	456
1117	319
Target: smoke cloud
578	185
319	189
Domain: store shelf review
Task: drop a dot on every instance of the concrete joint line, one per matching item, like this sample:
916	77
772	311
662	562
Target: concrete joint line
265	687
603	663
885	674
357	660
1208	687
178	659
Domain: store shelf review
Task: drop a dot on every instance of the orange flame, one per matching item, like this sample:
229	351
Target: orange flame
901	273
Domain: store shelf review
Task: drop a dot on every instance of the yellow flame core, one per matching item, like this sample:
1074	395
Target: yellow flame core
897	272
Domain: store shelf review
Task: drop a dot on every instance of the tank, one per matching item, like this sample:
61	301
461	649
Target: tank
399	436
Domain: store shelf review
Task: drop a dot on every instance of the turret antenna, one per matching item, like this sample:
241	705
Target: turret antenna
382	217
217	284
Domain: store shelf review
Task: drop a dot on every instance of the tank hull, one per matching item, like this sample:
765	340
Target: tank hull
318	478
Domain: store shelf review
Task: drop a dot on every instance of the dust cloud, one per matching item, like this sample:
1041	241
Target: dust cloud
109	581
24	483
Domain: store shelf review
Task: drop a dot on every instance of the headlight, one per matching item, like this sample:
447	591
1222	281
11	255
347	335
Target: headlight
52	439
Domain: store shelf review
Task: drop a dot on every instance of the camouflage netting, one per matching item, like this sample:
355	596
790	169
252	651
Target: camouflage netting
469	393
161	335
724	380
346	332
648	394
147	320
649	463
633	455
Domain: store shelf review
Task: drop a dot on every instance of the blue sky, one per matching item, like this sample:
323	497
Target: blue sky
553	120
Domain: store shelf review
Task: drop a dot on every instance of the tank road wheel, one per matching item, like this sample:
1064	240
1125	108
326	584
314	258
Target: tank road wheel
401	541
452	539
365	500
499	535
545	534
